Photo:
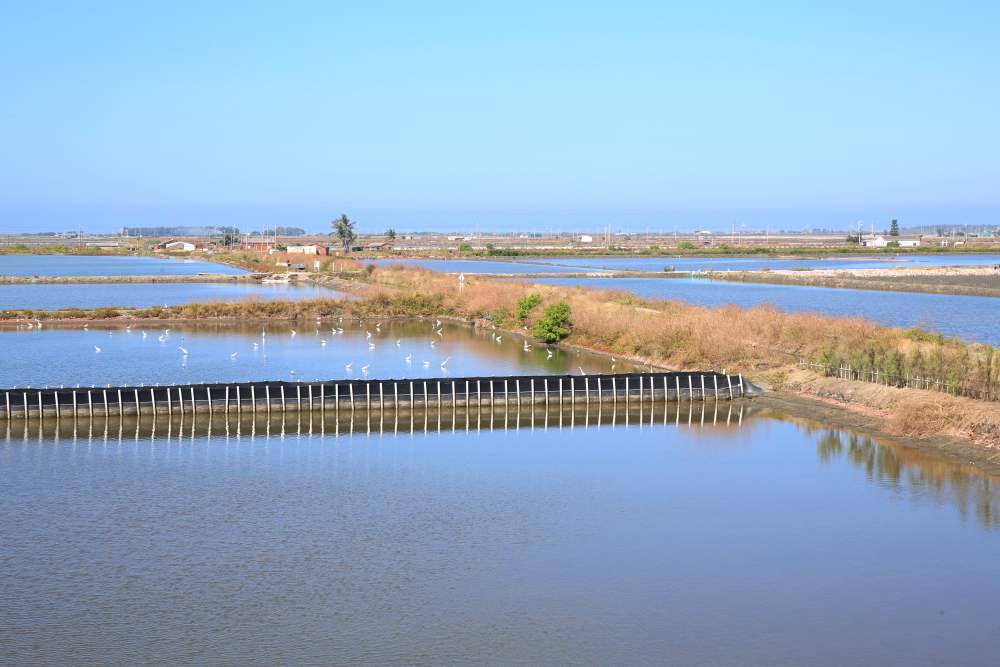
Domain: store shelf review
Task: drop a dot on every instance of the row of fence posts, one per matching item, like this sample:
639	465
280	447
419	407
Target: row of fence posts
181	398
846	372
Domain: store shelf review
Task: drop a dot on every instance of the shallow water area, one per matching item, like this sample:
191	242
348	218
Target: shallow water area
691	536
644	263
151	352
107	265
144	295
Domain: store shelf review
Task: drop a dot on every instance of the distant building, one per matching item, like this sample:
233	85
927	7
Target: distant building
880	241
586	238
321	250
179	246
259	246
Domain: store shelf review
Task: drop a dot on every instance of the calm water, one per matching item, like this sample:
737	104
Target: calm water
767	543
225	353
966	317
97	265
576	264
53	297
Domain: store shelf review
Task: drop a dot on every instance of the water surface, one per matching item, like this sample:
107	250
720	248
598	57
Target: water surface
107	265
577	264
769	542
141	295
151	352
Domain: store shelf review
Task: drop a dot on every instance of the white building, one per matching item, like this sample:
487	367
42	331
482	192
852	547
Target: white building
883	242
586	238
179	246
306	250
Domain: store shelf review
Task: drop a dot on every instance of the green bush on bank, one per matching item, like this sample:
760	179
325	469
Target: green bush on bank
554	324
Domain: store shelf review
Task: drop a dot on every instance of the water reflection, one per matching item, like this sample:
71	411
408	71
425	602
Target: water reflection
915	474
390	420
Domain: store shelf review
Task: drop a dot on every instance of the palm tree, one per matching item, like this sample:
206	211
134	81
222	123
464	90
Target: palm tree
343	227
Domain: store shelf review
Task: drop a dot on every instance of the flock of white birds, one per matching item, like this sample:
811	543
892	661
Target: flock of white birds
373	336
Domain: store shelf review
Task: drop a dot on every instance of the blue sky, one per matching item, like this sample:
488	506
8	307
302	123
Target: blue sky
511	115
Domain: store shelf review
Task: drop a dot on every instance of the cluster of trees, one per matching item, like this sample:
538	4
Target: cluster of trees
344	230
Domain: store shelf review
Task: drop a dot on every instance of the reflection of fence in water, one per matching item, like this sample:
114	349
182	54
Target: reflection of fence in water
394	420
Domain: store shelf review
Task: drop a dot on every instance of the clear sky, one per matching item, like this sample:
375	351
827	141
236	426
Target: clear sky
520	115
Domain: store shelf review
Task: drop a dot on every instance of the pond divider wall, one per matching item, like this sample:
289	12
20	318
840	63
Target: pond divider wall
336	395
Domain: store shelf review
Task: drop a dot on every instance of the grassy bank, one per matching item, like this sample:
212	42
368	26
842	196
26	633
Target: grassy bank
763	342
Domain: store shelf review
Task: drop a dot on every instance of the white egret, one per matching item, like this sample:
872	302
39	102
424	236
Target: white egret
97	349
347	367
183	350
409	358
322	341
232	355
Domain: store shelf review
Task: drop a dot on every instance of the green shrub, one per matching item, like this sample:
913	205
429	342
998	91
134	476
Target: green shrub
554	323
525	305
685	245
